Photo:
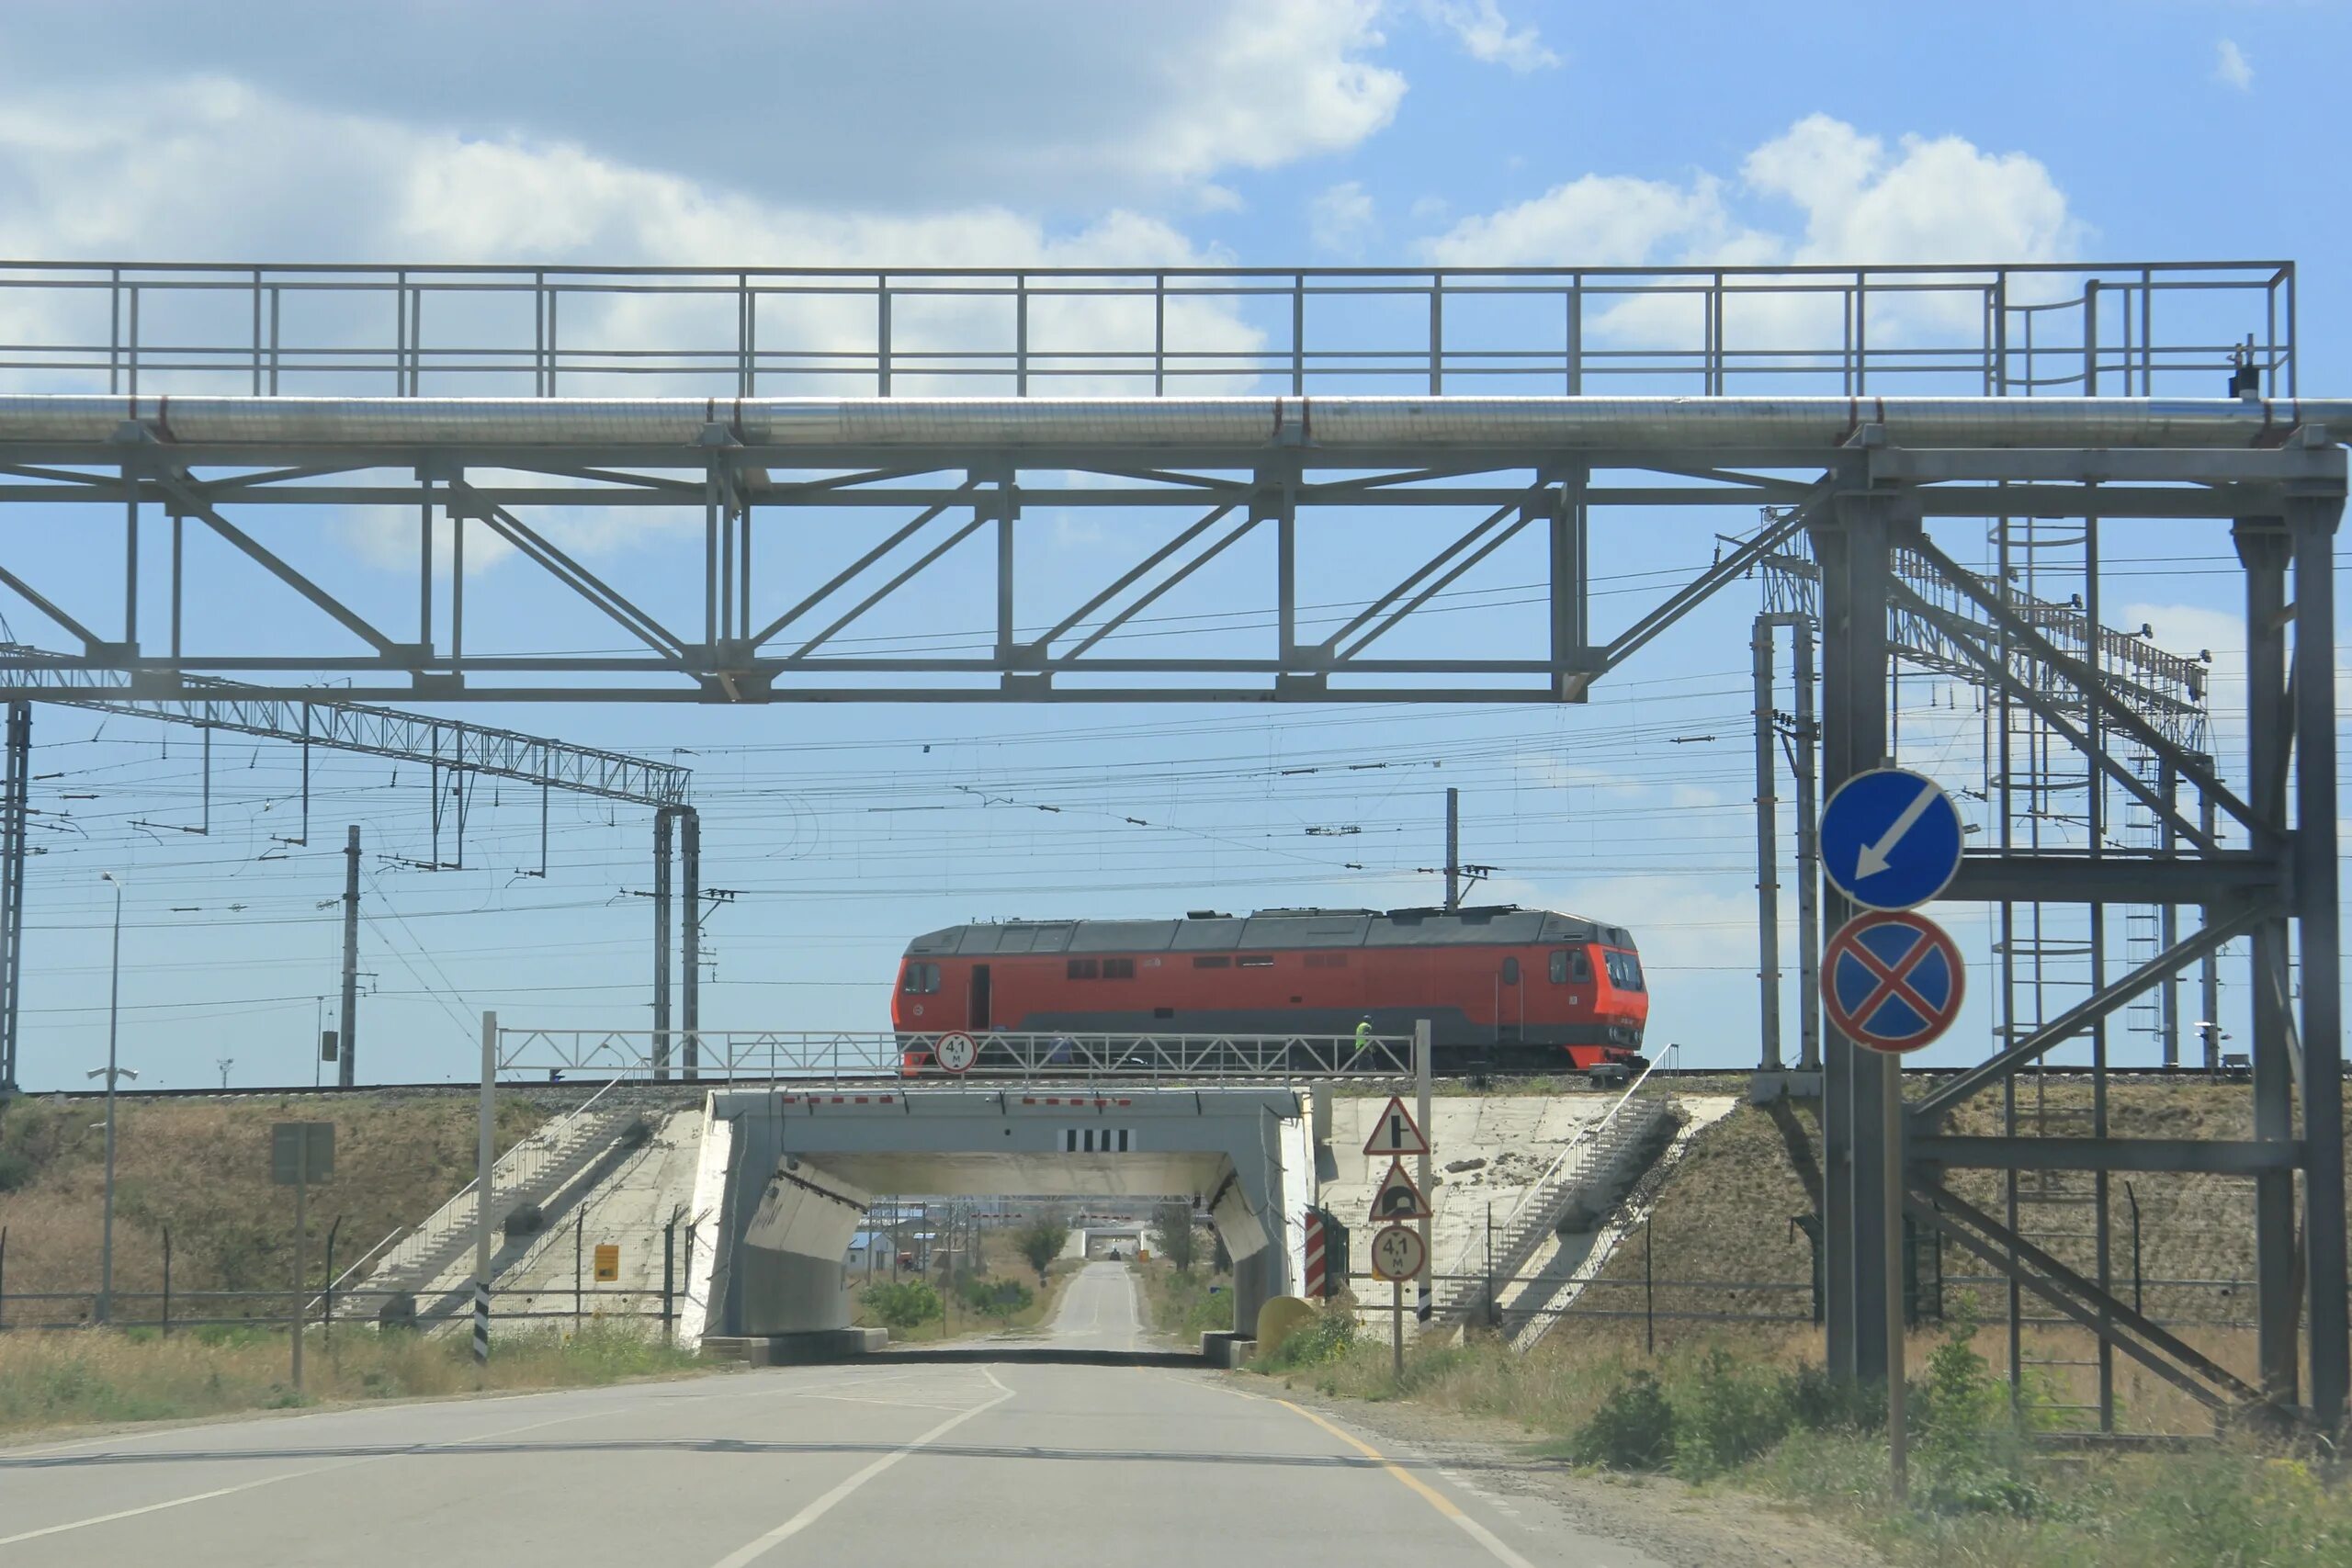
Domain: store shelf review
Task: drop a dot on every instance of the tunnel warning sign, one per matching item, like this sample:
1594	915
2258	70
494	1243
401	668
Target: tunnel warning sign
1397	1198
1395	1133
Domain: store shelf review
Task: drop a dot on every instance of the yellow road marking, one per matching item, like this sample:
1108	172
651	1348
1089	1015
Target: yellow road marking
1428	1494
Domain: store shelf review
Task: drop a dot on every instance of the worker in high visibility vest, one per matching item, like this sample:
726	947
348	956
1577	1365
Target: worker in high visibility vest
1363	1038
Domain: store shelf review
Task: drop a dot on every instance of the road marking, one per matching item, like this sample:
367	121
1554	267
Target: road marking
273	1479
1429	1494
824	1504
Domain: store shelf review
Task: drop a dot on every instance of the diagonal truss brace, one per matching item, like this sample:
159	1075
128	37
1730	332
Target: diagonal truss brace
2224	929
2114	1320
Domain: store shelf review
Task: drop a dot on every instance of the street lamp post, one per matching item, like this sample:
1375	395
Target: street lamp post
111	1072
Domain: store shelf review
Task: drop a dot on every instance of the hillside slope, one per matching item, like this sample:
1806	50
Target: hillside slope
202	1168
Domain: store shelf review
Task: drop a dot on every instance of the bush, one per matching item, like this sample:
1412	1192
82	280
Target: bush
525	1219
1728	1415
1820	1402
907	1305
1322	1340
1634	1428
998	1299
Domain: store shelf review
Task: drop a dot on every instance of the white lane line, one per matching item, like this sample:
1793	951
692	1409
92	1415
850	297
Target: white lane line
287	1475
824	1504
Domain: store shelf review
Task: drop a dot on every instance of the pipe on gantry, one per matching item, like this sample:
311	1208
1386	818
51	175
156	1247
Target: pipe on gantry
1324	424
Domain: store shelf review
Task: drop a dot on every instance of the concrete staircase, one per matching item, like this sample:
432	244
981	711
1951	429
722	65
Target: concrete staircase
532	1171
1588	1173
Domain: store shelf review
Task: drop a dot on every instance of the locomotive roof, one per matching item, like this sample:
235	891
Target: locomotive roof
1496	926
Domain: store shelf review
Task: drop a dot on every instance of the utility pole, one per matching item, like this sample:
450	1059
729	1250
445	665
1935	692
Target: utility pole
1453	849
347	1049
113	1073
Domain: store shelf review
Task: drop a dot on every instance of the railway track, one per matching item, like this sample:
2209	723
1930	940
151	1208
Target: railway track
688	1090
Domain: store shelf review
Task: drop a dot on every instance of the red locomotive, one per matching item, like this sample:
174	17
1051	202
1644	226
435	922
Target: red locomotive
1500	986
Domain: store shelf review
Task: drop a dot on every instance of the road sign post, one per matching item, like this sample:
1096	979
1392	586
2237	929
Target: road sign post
1421	1064
1891	982
1399	1254
301	1153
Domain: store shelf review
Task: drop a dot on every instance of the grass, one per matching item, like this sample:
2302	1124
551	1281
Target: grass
1184	1306
1755	1418
79	1377
202	1169
999	1259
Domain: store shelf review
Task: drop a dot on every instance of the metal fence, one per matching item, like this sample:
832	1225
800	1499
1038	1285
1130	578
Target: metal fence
273	329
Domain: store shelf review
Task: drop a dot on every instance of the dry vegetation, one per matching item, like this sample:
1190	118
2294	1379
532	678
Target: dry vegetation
1722	1220
202	1169
79	1377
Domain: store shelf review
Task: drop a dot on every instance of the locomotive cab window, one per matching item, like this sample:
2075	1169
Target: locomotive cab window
1625	969
921	980
1570	966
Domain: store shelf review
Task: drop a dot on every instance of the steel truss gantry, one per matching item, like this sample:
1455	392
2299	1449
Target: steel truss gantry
443	745
1862	471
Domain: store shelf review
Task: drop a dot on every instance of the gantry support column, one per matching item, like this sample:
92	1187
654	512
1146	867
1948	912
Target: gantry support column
1804	756
662	837
1852	544
12	886
2310	526
1768	856
690	948
2263	547
348	1050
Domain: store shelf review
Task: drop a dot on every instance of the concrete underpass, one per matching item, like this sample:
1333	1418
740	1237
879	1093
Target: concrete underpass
785	1177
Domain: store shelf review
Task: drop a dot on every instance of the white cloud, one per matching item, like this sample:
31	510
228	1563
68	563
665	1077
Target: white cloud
1596	220
1926	199
916	105
1342	220
1934	199
1482	30
2231	67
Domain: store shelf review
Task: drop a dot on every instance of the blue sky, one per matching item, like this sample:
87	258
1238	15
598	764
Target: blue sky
1317	131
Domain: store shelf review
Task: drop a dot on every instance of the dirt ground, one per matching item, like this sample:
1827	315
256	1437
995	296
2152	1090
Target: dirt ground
1685	1526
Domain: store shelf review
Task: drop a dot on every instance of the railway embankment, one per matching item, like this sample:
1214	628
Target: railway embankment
199	1169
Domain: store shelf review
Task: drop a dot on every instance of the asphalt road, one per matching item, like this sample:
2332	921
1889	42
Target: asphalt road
978	1465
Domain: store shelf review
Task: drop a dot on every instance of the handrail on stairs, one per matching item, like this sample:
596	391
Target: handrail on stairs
540	1143
1585	1139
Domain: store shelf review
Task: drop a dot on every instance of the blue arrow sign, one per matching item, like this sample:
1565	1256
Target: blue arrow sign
1890	839
1891	980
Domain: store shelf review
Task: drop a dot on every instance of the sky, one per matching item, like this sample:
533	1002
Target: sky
1278	133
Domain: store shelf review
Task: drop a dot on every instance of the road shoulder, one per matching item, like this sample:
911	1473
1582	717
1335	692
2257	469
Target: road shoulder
1690	1526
